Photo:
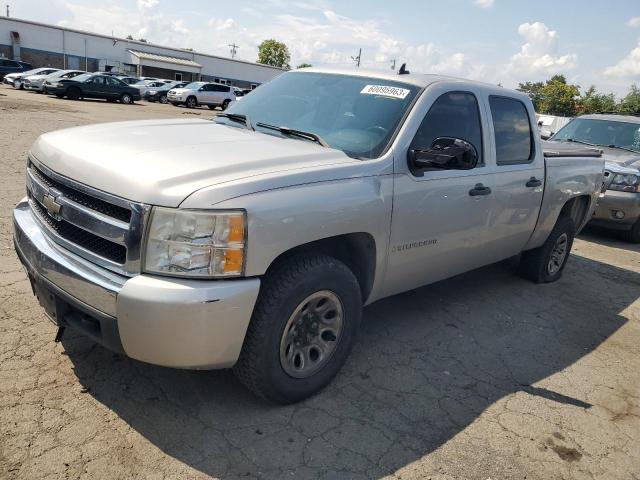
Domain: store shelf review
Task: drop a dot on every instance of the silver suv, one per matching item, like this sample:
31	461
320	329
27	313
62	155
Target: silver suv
618	136
202	93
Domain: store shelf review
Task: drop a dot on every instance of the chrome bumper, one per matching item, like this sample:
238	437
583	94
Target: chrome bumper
166	321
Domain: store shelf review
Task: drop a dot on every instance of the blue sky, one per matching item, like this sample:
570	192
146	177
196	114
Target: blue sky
506	41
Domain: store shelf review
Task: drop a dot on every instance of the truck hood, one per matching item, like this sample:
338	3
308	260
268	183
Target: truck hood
161	162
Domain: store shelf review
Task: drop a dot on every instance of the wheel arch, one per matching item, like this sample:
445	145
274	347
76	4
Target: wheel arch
577	208
356	250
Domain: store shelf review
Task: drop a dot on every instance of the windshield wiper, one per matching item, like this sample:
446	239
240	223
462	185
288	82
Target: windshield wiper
610	145
237	117
290	132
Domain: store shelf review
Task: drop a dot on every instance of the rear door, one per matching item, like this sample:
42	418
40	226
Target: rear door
440	223
519	176
114	88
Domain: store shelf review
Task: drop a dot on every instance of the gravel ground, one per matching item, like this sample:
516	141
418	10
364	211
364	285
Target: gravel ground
481	376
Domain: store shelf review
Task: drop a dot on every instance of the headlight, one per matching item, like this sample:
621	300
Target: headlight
195	243
625	183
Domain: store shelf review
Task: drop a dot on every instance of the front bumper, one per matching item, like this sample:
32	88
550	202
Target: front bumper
36	87
171	322
611	202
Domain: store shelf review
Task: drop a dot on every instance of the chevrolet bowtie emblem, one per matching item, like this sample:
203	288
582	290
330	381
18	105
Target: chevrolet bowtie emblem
53	207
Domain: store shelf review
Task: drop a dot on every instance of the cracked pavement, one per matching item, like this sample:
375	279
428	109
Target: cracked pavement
481	376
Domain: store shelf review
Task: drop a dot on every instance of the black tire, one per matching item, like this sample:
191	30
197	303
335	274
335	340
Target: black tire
633	235
191	102
163	99
537	265
225	104
73	93
126	99
283	291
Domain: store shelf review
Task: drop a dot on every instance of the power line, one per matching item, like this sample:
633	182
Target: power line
357	59
233	48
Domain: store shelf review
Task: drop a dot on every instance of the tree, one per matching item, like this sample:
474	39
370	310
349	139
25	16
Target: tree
534	90
593	102
129	37
559	98
304	65
631	103
274	53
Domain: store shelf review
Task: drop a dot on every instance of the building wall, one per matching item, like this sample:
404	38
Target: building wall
52	40
166	74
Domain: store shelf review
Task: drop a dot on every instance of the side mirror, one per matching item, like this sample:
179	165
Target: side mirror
445	153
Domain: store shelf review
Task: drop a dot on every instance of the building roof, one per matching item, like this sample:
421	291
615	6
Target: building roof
142	44
164	58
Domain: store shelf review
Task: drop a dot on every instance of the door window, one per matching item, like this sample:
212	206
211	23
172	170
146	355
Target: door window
512	130
453	115
220	88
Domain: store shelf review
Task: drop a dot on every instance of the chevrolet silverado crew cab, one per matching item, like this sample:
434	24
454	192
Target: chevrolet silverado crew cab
253	239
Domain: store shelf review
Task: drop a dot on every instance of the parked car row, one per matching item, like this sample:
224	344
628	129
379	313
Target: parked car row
77	84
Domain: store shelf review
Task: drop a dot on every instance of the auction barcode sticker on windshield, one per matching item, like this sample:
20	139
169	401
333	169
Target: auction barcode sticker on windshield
386	91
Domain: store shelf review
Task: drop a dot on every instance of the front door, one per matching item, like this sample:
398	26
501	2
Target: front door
440	217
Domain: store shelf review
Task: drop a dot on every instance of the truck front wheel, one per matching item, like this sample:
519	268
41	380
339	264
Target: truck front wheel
302	329
546	263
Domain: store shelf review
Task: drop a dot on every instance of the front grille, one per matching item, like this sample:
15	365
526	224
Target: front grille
87	240
83	199
100	227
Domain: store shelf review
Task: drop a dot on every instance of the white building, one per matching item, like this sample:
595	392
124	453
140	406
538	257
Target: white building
45	45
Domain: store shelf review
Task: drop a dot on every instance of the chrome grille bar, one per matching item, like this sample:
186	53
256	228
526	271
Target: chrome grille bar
65	208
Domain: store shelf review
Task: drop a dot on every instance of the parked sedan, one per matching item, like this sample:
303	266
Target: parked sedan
15	79
90	85
8	67
159	94
36	83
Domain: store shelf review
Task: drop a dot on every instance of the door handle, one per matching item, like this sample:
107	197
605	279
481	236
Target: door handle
479	189
534	182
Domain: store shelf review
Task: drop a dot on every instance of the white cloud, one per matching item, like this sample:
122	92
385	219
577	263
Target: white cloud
221	24
627	67
634	22
147	3
483	3
539	53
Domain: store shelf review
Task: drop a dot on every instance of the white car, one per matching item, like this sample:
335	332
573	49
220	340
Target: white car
144	85
202	93
37	83
16	79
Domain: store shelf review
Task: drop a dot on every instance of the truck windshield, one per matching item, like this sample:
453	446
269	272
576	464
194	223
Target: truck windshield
598	132
357	115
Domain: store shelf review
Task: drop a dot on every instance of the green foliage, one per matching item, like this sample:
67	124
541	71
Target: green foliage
534	90
631	103
304	65
274	53
559	98
593	102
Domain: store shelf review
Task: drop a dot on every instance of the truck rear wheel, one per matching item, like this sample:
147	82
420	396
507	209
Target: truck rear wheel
302	329
546	263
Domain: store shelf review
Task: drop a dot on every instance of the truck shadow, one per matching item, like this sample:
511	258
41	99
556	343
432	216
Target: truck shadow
610	238
427	364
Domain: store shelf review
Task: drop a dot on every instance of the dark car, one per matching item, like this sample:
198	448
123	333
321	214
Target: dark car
159	94
91	85
13	66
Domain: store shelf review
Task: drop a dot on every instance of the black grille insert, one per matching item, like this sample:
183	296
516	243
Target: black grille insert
83	199
95	244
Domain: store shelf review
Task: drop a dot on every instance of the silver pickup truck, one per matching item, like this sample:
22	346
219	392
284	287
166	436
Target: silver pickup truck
253	239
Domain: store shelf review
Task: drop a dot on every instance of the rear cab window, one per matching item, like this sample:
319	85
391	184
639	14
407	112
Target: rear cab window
512	131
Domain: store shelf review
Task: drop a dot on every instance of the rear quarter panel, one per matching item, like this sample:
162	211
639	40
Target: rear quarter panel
566	178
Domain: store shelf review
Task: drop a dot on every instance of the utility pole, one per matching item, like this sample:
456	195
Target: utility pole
233	48
357	59
7	10
393	64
